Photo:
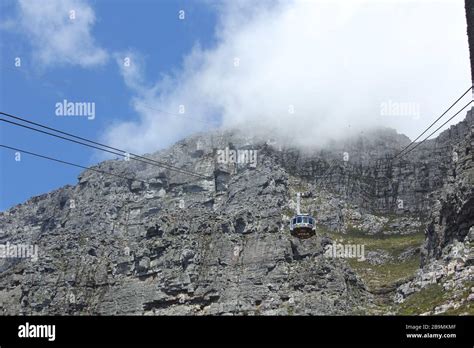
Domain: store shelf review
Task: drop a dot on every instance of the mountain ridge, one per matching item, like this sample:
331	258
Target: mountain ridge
181	245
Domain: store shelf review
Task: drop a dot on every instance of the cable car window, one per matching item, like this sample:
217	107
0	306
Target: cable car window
293	221
298	219
305	220
311	221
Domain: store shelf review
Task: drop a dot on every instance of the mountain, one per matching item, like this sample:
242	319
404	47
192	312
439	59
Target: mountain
170	243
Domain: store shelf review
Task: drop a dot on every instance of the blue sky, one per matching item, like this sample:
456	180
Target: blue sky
32	90
338	65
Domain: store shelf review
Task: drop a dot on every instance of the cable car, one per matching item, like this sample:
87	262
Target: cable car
302	225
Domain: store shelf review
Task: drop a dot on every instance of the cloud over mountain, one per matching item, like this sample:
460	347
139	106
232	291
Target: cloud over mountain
309	70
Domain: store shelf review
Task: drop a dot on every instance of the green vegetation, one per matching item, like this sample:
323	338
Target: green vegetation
423	301
381	279
384	276
393	244
291	310
465	309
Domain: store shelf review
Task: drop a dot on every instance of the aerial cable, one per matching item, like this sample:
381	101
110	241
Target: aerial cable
122	152
432	124
70	163
437	129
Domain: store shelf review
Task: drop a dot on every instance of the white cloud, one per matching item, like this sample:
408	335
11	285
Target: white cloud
60	32
334	62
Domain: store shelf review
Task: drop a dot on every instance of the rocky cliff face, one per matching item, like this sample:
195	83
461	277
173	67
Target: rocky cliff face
175	245
167	243
447	254
453	213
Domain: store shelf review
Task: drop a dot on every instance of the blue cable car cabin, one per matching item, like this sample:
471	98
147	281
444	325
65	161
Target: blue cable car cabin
303	226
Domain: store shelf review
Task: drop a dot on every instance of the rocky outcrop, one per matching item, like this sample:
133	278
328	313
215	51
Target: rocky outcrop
452	272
